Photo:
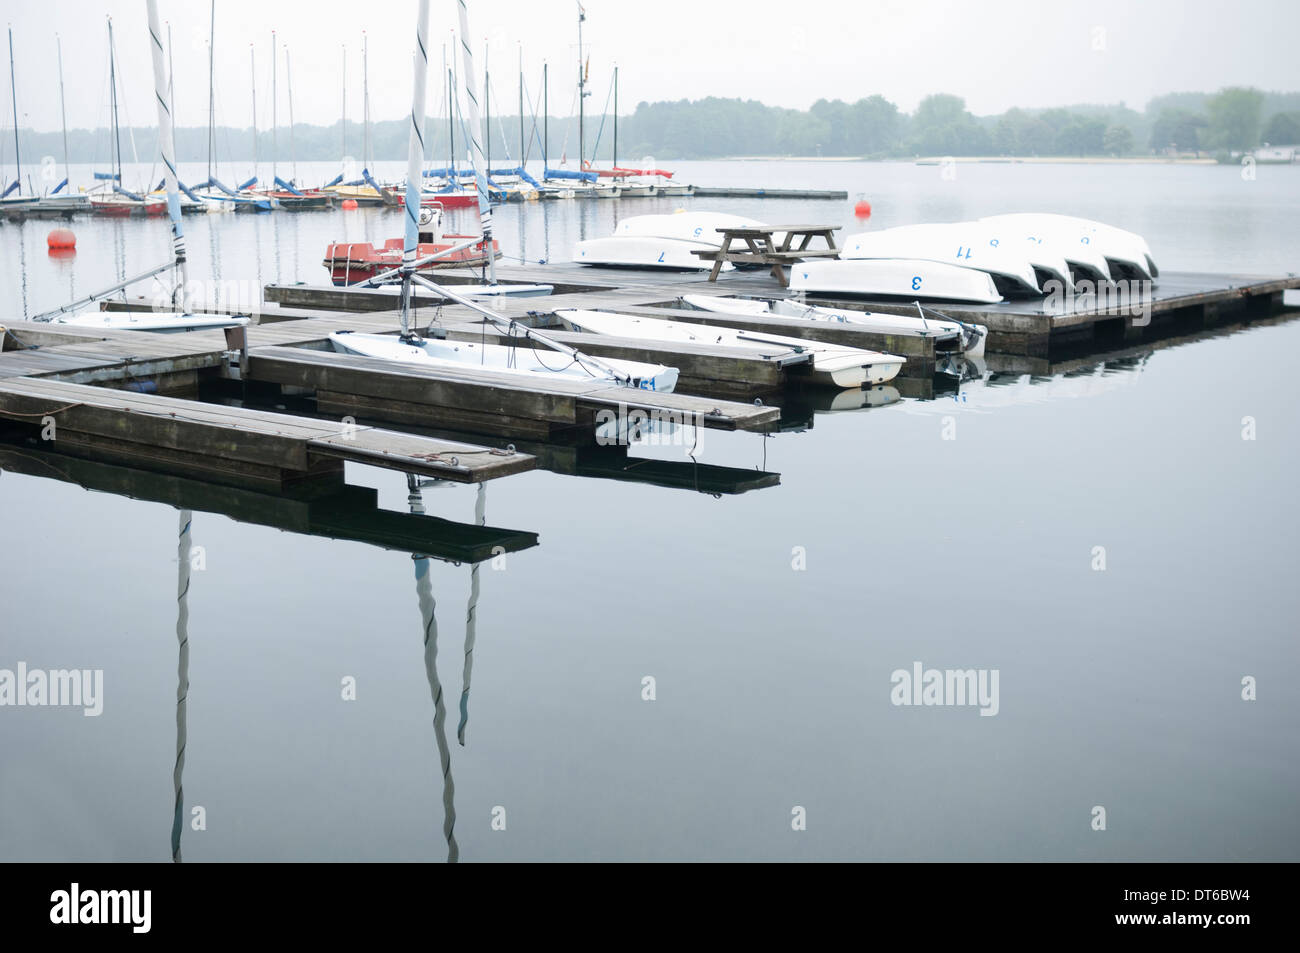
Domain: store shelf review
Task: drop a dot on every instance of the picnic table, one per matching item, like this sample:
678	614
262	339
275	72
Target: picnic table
761	247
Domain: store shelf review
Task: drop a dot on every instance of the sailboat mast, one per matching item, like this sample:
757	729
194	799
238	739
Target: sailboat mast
451	124
616	117
212	88
252	73
365	100
293	152
345	105
18	162
274	145
521	105
117	130
582	92
476	147
166	140
63	111
415	161
546	117
487	108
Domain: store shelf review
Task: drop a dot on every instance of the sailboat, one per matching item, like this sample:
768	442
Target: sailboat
833	365
949	335
285	194
524	362
148	319
365	191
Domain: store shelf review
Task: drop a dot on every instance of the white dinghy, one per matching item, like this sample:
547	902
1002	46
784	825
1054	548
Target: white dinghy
949	335
159	322
833	364
1020	270
895	278
1127	254
523	360
661	241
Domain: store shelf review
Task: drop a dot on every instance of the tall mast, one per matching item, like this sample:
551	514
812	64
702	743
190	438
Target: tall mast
273	114
63	110
212	88
167	142
252	72
117	130
293	153
415	161
487	109
616	117
451	124
546	117
582	91
18	162
345	103
476	147
521	105
365	100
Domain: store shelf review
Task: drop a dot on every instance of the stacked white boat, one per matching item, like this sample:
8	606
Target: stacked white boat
661	242
1020	255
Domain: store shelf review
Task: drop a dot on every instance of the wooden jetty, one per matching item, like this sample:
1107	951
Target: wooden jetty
735	193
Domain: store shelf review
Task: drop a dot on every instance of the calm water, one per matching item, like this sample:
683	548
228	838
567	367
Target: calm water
1119	688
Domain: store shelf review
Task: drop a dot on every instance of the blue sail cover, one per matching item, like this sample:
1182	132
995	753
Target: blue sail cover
365	177
249	184
521	172
186	189
334	181
215	183
12	185
131	195
59	186
108	176
287	187
566	174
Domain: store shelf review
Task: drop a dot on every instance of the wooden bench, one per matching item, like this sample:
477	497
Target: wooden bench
761	247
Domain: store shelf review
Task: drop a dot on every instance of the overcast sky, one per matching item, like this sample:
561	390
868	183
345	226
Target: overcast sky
995	54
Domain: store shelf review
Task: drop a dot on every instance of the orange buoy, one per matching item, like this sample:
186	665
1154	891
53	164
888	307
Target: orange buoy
61	239
862	209
349	204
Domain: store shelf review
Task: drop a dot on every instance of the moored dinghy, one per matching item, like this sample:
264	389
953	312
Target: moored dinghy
949	335
833	364
661	241
1127	254
159	322
895	278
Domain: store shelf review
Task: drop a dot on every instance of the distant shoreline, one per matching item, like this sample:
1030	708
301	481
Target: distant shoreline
990	160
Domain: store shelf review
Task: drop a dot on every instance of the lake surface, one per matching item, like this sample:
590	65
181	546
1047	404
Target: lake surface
1119	688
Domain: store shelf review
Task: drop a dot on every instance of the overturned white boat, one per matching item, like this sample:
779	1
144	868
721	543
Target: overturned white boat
158	322
1126	254
949	335
908	278
1018	269
661	241
523	361
832	364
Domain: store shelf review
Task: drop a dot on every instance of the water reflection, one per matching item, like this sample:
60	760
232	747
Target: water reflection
184	564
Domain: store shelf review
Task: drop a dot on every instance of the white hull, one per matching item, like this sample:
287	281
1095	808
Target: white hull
832	364
966	244
895	278
633	251
521	361
1126	253
684	226
965	337
158	322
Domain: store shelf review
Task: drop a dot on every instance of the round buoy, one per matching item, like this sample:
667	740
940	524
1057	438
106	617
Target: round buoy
61	239
862	209
349	204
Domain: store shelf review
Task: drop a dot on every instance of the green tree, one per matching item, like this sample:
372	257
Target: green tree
1118	141
1178	129
1283	130
1234	118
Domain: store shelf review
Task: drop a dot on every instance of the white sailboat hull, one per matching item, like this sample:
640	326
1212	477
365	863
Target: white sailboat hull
521	361
157	322
832	364
634	251
948	335
1126	253
895	278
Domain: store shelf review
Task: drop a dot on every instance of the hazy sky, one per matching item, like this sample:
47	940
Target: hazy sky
995	54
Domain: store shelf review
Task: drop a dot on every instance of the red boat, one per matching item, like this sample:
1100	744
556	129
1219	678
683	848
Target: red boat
465	198
119	206
351	262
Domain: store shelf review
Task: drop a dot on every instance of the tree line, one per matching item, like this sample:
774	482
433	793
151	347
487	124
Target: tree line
1232	120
